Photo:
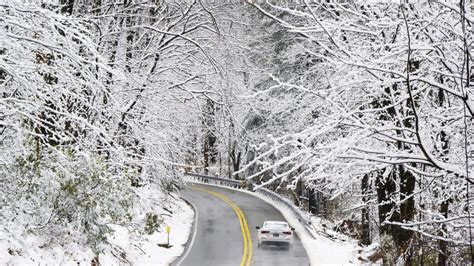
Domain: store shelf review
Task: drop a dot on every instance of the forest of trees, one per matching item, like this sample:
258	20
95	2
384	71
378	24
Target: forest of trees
364	108
377	101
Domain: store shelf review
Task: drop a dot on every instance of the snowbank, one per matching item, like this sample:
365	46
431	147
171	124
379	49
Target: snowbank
126	246
31	250
146	251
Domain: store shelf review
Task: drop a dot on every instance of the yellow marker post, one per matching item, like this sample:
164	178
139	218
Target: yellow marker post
168	230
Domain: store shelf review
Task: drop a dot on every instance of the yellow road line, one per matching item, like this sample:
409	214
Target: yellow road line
247	256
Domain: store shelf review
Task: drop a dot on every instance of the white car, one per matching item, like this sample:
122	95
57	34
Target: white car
275	233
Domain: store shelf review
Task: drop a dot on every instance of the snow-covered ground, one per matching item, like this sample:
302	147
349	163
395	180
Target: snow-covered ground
126	247
146	251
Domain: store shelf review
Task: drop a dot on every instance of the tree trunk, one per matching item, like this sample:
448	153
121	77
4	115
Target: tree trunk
38	143
407	209
443	247
386	188
313	208
130	37
365	235
235	158
209	149
444	206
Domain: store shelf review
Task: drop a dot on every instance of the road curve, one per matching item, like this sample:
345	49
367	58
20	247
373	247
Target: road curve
218	238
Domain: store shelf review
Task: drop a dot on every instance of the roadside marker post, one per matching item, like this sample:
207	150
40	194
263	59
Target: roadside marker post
168	230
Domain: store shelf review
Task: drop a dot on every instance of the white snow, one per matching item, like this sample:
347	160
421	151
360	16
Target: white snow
146	251
366	252
126	247
29	250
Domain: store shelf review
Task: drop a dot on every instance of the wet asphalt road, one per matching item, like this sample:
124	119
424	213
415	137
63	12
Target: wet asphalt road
218	239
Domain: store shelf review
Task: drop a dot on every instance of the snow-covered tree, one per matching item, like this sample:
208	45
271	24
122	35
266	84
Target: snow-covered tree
96	99
387	87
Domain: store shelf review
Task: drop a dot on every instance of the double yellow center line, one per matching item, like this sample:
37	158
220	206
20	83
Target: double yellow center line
247	257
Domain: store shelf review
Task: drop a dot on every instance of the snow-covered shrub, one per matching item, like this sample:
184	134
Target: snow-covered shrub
73	195
170	184
152	223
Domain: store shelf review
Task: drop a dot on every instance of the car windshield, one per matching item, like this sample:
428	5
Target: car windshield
276	224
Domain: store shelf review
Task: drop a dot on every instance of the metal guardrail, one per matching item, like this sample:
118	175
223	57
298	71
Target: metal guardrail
299	214
214	180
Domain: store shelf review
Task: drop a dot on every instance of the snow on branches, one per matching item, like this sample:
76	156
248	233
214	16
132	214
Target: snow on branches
384	94
96	97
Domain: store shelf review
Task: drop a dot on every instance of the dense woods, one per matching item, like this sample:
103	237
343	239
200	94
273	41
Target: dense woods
358	111
384	122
